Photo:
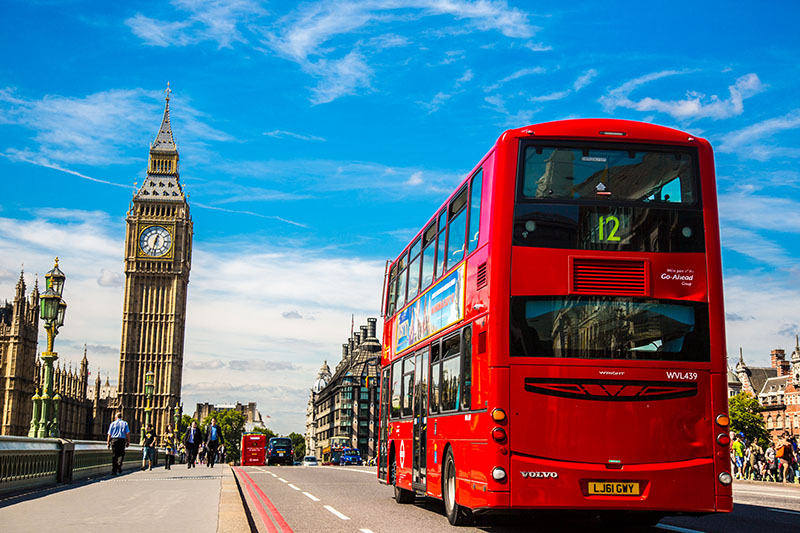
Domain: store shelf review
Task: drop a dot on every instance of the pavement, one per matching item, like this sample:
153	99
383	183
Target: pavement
199	500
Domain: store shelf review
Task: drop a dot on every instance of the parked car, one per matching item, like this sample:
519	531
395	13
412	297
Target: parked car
310	460
350	457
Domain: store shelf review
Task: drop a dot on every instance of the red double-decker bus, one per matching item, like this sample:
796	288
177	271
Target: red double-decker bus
554	335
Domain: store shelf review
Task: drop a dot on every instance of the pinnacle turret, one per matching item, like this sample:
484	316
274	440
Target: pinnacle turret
162	182
21	286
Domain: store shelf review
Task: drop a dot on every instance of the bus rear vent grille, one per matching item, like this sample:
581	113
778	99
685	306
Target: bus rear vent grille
602	276
481	279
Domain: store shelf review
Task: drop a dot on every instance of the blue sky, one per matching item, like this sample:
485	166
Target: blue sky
317	137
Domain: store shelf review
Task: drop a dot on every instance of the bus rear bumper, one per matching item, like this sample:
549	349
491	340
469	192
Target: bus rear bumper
683	486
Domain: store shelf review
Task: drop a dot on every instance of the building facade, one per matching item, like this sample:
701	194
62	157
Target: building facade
343	408
252	415
158	252
19	333
80	416
777	389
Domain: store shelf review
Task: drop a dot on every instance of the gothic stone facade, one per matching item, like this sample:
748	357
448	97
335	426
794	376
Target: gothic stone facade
158	252
343	407
81	416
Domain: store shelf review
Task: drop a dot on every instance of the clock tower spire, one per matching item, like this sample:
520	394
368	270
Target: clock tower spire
158	254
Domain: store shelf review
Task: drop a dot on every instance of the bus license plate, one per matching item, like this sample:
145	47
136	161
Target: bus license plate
614	488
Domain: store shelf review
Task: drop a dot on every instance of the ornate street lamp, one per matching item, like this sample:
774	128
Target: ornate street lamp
52	309
148	392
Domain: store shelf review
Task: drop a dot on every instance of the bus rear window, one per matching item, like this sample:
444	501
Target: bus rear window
599	327
587	173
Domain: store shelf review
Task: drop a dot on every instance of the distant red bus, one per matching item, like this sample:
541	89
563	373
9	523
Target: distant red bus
254	451
554	335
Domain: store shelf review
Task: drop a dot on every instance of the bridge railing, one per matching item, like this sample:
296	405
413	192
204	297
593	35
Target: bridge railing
27	462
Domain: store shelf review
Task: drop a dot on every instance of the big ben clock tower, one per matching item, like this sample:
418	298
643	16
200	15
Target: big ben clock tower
158	257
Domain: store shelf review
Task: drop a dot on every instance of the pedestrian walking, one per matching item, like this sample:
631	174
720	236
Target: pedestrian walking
119	438
737	449
756	458
213	442
169	446
192	441
149	447
772	463
785	454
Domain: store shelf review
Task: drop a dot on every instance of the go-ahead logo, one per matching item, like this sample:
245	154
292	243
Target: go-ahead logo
540	474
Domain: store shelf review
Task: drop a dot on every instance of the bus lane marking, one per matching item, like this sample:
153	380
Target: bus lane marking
314	498
282	480
272	509
337	513
260	508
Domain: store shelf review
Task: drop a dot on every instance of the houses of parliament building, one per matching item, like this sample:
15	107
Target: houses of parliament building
158	251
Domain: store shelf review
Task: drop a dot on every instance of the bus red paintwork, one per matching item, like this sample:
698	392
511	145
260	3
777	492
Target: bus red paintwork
557	444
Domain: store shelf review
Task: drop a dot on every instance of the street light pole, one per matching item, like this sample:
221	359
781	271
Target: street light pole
148	392
52	309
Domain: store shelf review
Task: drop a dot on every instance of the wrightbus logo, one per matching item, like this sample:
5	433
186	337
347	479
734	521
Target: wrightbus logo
540	474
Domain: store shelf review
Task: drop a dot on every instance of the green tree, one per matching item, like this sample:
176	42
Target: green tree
745	415
299	445
231	423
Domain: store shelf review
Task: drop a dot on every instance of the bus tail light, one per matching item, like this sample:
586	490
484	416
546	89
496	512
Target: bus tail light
498	415
723	420
499	434
498	474
725	478
723	439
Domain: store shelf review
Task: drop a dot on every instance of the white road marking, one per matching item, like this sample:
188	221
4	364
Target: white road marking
337	513
373	472
676	528
783	511
282	480
365	530
295	488
766	494
311	496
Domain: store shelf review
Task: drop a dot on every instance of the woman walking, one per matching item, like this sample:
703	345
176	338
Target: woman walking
169	445
149	448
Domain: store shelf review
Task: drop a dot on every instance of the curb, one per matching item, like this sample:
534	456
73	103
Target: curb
232	516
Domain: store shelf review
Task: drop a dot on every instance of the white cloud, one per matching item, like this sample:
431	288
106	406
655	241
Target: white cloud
299	136
558	95
97	129
339	77
228	328
110	279
214	20
751	142
415	179
584	79
693	107
516	75
764	308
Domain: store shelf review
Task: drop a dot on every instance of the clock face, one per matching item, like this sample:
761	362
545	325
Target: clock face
155	241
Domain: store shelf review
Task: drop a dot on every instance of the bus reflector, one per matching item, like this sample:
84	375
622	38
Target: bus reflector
498	474
723	439
498	415
723	420
499	434
725	478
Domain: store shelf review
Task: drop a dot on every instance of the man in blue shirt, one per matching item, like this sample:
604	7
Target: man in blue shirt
119	438
213	440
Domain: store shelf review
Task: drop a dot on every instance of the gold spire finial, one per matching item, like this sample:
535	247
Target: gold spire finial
56	261
168	91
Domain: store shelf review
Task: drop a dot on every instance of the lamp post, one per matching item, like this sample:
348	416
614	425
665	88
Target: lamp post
148	392
52	309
